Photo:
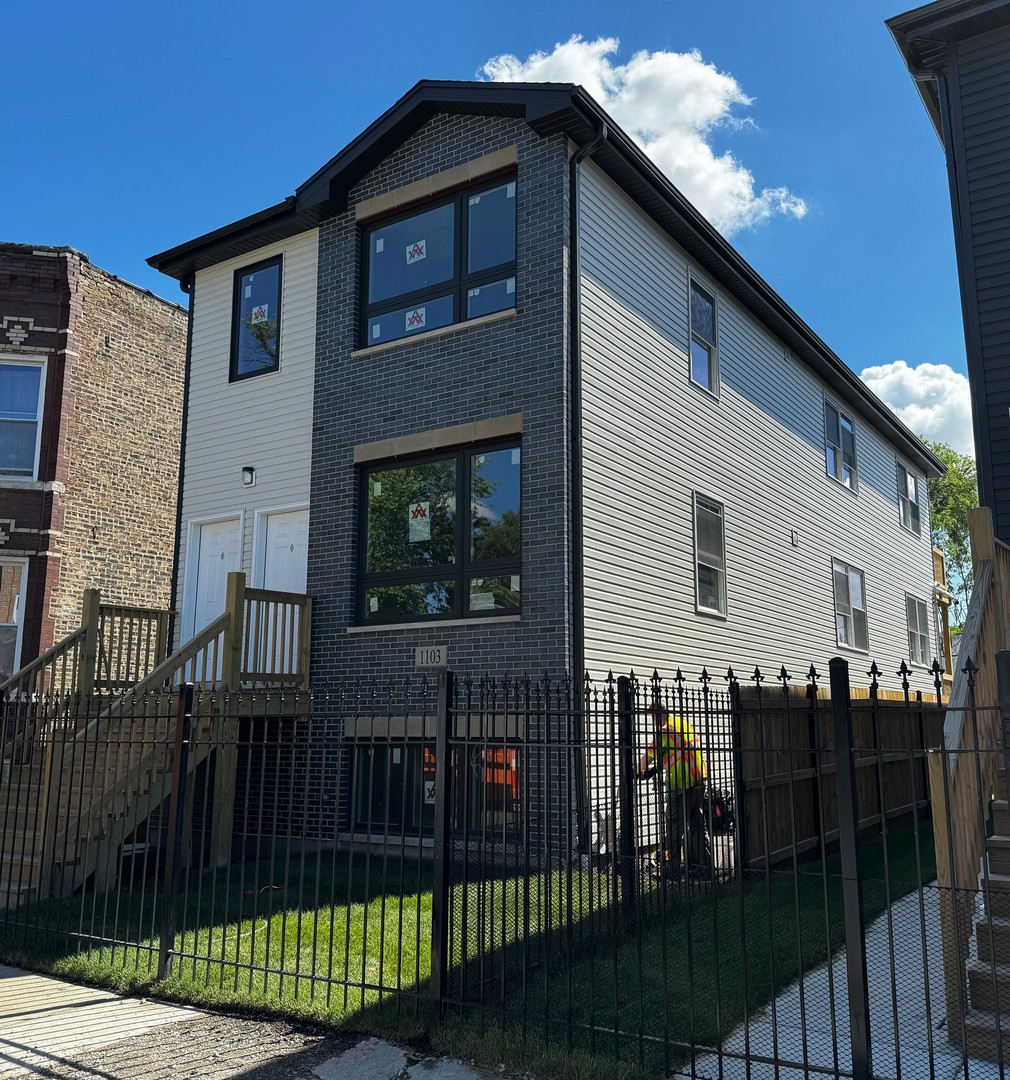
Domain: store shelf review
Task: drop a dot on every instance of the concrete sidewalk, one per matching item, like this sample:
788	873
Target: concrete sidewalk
50	1028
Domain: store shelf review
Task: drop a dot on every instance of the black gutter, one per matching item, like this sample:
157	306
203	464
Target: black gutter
188	287
575	434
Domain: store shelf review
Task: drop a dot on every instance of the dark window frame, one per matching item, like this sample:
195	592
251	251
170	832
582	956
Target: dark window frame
464	568
458	284
236	312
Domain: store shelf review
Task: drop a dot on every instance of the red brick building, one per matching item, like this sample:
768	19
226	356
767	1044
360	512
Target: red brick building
91	386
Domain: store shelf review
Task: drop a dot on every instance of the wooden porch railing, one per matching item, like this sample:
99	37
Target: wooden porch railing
961	779
260	641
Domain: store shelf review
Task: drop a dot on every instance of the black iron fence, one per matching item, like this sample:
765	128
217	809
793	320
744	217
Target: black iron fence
519	855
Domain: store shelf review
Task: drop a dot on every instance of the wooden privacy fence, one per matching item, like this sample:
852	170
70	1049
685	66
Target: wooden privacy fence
786	765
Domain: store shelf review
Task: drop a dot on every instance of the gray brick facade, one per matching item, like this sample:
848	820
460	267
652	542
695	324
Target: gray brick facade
514	365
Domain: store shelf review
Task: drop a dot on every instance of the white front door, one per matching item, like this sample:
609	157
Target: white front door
13	580
285	551
218	552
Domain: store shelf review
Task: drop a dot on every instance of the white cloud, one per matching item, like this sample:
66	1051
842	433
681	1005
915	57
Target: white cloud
932	399
670	103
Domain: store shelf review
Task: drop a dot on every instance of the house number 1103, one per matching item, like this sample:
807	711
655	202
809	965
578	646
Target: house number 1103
431	656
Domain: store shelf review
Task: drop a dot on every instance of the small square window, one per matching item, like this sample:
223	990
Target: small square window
710	555
256	320
840	446
850	607
442	265
918	630
908	499
704	365
21	389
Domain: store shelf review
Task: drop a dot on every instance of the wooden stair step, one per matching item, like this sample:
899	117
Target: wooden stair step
987	1035
989	987
993	934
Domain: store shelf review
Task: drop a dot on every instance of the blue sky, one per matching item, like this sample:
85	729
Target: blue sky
139	126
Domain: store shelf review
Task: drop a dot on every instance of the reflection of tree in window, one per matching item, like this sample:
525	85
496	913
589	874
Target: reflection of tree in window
264	334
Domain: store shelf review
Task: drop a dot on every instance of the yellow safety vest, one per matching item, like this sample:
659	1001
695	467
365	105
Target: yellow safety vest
680	754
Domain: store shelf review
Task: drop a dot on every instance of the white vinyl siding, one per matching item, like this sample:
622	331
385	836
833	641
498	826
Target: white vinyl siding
264	423
650	440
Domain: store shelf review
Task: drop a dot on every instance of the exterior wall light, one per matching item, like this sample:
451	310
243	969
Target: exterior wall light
248	476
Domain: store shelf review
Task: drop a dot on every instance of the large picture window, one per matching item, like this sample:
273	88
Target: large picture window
446	264
21	388
256	320
421	558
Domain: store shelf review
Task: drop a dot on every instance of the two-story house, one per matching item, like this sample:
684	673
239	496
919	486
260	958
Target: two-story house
499	397
91	373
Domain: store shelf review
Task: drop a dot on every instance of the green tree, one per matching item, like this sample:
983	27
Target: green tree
950	498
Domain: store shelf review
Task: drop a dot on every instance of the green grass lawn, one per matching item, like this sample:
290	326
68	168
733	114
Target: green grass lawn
546	969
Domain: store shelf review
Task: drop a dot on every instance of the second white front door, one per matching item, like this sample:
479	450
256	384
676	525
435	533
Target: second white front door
285	551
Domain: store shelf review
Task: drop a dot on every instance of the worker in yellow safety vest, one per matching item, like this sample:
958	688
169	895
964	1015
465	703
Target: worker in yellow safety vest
676	752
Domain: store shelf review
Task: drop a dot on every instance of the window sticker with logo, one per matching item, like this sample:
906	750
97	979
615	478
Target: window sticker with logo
416	251
419	521
414	319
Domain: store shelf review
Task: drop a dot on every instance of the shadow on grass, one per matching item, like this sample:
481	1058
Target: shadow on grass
547	969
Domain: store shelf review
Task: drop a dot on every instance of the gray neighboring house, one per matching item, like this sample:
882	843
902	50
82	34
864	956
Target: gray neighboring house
958	53
492	299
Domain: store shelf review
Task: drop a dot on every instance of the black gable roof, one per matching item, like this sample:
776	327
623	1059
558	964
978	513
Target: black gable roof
548	108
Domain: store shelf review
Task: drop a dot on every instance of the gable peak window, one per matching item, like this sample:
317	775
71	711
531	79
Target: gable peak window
908	499
441	265
22	386
710	555
422	558
840	446
704	359
256	320
850	606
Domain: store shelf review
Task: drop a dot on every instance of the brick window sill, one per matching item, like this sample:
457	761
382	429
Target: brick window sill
433	624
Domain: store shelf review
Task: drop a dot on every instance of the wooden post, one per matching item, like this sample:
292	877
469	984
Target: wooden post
983	548
943	602
90	616
234	639
305	643
225	736
161	643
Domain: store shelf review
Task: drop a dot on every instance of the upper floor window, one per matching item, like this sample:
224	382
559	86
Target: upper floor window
421	557
840	446
850	607
918	630
908	499
710	555
21	390
704	365
256	320
442	265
